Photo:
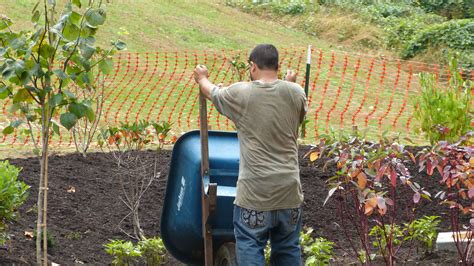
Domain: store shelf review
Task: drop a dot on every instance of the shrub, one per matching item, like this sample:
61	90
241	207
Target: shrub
444	113
319	252
136	172
153	250
455	164
369	177
447	8
424	231
453	34
150	251
13	194
124	252
379	233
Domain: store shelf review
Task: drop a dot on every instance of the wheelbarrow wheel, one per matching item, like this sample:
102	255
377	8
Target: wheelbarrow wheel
226	255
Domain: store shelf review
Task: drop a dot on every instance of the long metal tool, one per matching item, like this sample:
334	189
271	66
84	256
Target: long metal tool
208	199
306	87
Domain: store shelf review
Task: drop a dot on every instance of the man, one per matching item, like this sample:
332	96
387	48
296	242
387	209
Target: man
267	113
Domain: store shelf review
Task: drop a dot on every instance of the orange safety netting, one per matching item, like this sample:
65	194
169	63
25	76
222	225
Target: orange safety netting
345	90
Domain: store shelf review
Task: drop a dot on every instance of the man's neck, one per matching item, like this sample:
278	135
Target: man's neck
268	77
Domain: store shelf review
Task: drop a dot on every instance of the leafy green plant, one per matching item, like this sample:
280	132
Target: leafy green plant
150	251
423	230
305	237
124	252
267	253
239	67
453	34
448	8
13	194
153	250
40	66
382	237
319	252
445	113
162	131
73	235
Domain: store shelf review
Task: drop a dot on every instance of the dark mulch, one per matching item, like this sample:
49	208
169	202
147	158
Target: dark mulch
81	222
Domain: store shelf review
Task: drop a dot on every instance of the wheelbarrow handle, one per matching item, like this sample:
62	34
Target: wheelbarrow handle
207	201
204	134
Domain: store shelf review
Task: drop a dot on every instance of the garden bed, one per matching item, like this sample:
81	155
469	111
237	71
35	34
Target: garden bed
85	209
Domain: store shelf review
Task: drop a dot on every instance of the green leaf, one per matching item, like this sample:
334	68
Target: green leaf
46	51
78	109
90	114
60	73
8	130
4	92
120	45
77	3
55	127
71	32
75	18
87	51
68	120
69	94
56	100
95	17
106	66
35	16
9	71
5	23
22	95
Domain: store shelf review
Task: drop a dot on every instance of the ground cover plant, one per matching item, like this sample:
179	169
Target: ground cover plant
39	66
150	251
13	193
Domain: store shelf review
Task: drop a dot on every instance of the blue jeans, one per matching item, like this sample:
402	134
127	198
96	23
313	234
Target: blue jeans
254	228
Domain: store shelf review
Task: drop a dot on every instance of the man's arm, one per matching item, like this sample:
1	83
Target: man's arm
201	77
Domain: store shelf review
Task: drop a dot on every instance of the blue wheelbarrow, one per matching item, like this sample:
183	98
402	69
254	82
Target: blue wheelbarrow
196	221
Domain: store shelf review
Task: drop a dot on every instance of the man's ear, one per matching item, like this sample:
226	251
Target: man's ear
253	67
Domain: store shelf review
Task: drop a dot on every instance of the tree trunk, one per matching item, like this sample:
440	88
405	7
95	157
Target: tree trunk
41	223
39	219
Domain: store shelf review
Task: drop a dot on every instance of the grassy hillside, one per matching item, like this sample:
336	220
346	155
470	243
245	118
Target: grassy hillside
197	24
425	31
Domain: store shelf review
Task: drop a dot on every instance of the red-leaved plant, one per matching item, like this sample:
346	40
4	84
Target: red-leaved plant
455	164
366	186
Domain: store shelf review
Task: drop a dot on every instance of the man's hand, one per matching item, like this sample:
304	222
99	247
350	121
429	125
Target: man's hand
290	75
201	76
200	72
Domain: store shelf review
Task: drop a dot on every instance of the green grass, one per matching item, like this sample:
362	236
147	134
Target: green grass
156	25
164	33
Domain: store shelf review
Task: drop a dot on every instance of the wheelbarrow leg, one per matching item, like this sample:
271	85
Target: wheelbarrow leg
208	200
208	206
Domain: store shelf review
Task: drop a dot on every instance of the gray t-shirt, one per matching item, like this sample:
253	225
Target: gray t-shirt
267	117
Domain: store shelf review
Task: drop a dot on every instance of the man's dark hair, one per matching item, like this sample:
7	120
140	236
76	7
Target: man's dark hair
265	56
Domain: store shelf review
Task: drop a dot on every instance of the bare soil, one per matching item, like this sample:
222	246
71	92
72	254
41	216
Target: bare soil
81	222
